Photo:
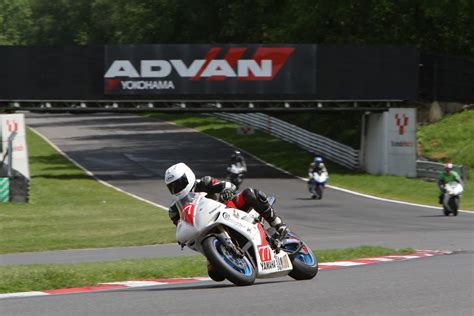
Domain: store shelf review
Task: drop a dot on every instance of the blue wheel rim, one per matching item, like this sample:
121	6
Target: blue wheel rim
303	255
241	265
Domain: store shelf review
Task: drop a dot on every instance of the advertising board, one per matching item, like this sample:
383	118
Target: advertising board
11	123
390	143
210	69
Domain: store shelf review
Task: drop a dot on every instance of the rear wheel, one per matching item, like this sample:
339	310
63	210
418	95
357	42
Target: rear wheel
238	270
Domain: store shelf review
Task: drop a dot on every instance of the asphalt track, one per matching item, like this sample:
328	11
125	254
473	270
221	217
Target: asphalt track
132	153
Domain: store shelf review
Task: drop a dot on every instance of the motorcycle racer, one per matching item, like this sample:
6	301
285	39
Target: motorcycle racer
446	176
238	159
181	181
317	165
315	170
236	169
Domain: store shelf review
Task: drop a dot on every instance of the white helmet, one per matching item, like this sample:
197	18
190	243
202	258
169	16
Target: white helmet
180	180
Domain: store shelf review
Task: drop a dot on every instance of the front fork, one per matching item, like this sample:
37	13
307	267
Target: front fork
224	237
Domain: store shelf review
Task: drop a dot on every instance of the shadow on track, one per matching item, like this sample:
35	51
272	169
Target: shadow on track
211	286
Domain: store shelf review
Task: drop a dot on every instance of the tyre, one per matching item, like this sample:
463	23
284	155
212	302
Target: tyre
215	275
19	188
305	264
319	191
312	189
237	270
454	204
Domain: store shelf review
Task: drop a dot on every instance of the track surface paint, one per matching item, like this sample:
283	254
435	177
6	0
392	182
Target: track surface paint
132	153
152	283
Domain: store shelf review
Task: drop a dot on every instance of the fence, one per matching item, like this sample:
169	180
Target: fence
330	149
431	170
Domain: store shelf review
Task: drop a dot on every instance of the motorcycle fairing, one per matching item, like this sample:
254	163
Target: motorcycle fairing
207	214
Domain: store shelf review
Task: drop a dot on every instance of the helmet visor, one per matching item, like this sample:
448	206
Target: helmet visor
178	185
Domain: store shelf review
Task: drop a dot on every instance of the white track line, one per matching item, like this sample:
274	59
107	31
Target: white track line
248	153
330	186
89	173
150	283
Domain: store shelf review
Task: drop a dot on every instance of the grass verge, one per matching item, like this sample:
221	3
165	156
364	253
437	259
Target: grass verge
277	152
450	139
69	209
43	277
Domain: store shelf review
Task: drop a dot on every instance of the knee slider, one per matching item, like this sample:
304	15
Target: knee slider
254	195
261	197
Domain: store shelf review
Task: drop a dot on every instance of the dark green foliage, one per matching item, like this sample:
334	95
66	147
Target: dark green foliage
443	26
15	20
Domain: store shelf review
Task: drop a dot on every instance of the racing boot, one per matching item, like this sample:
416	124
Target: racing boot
275	222
213	273
256	199
440	199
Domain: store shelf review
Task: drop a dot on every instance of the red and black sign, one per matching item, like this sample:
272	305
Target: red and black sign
240	72
208	69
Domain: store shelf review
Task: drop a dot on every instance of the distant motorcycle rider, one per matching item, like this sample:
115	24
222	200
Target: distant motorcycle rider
238	159
446	176
236	169
317	166
181	181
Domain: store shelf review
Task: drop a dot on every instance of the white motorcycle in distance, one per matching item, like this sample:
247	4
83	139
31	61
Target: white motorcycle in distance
237	245
316	183
452	197
235	174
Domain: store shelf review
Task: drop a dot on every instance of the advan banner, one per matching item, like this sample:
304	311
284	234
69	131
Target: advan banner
214	70
11	123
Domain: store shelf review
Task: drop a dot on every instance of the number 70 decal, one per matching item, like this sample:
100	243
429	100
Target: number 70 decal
265	253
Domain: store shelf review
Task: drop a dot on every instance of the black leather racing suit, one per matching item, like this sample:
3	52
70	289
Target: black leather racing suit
246	200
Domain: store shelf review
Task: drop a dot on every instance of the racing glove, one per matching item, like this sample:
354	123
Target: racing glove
226	195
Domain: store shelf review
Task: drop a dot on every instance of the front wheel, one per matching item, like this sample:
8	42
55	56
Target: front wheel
454	204
238	270
319	191
305	263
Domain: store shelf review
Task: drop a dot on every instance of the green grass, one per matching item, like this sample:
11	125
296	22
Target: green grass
69	209
450	139
43	277
296	160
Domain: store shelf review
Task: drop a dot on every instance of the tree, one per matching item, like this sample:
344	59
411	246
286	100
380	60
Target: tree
443	26
15	21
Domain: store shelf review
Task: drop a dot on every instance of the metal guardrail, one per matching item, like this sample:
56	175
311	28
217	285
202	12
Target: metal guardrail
431	170
209	106
317	144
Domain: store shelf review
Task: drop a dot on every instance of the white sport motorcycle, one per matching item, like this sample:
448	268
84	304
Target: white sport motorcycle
452	197
316	183
238	246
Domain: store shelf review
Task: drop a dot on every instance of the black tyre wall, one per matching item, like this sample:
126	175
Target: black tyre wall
19	188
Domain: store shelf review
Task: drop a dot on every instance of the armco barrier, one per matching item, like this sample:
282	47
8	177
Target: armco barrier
431	170
314	143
